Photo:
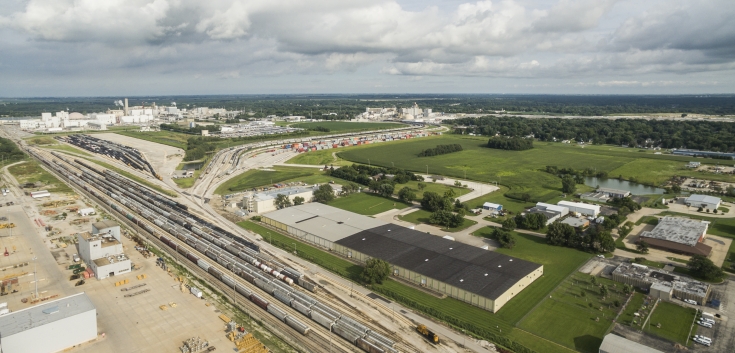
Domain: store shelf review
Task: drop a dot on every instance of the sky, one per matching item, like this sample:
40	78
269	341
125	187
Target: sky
175	47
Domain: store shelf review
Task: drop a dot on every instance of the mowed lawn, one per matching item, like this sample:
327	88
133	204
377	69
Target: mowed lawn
559	262
566	317
431	187
422	216
257	177
638	304
347	126
367	204
675	322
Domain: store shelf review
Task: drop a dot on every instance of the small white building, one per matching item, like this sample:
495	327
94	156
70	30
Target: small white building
552	212
264	201
102	250
581	208
492	206
86	211
705	201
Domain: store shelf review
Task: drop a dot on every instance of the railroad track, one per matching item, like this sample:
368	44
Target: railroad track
318	339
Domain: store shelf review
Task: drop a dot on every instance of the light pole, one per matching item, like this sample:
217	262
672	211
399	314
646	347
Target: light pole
294	248
35	279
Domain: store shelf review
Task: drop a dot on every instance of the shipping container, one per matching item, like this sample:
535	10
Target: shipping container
196	292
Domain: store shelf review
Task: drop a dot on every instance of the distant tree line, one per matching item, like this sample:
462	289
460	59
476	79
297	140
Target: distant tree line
440	149
700	135
319	128
510	143
197	130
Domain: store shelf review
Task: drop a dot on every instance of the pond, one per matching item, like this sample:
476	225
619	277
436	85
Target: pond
634	188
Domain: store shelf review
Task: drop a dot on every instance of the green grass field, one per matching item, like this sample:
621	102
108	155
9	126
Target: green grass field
41	140
320	157
257	177
431	187
521	171
347	126
675	322
367	204
636	304
448	309
31	172
422	216
583	325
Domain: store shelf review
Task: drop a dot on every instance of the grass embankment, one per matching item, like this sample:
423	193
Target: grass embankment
31	172
134	177
320	157
497	327
675	322
422	216
367	204
258	177
522	171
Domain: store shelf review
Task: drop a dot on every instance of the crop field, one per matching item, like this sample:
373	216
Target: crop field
347	126
367	204
447	309
31	172
675	322
422	216
585	318
521	171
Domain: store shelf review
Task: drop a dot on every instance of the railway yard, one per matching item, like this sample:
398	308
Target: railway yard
272	289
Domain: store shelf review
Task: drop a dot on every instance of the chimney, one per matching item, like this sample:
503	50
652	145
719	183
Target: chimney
125	107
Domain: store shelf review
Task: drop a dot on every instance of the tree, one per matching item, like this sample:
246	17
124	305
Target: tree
560	234
450	194
593	280
603	290
457	183
568	185
298	200
375	271
433	202
676	189
607	243
324	194
583	293
282	201
579	179
505	239
642	246
386	189
445	218
509	224
627	289
702	267
407	195
349	188
536	221
421	186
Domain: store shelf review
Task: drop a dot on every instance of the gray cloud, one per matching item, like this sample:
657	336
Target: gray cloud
555	42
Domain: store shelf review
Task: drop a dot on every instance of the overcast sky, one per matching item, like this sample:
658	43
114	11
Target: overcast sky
148	47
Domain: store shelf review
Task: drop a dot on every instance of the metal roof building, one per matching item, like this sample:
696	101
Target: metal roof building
483	278
50	327
583	208
680	235
613	343
704	201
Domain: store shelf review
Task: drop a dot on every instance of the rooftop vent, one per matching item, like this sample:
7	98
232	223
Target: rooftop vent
461	280
510	260
486	275
51	310
363	238
500	266
426	260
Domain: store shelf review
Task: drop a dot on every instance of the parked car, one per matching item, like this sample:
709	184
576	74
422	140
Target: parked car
704	324
689	301
704	338
702	342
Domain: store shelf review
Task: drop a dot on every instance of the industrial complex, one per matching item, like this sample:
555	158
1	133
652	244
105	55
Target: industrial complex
679	235
661	284
483	278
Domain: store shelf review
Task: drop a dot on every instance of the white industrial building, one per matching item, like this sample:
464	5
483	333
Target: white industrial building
494	207
613	343
581	208
50	327
264	201
705	201
102	250
552	212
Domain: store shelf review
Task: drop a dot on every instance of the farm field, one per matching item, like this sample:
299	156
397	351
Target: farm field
347	126
422	216
367	204
447	309
31	172
675	322
521	171
585	323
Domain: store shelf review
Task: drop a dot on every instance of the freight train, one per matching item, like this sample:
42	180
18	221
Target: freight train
128	155
241	257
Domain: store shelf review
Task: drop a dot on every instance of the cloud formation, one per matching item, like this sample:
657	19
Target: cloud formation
564	40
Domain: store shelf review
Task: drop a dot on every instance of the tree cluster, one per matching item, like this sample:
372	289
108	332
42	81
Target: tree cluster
533	221
375	271
319	128
587	172
282	201
441	149
363	174
561	234
324	193
513	143
505	238
407	195
190	130
9	150
446	218
625	205
198	147
700	135
702	267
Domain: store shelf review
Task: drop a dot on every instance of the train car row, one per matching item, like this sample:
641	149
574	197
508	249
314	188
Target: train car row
241	264
128	155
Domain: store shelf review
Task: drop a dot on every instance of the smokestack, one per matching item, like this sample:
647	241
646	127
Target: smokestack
125	107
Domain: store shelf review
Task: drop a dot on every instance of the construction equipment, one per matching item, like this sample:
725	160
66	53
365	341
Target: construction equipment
246	343
433	337
7	225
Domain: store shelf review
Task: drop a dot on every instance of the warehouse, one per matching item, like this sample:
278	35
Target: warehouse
53	326
613	343
264	201
552	212
661	284
492	207
704	201
679	235
581	208
482	278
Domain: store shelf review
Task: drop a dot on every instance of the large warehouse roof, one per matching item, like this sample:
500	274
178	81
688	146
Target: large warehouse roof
685	231
695	198
43	314
327	222
616	344
485	273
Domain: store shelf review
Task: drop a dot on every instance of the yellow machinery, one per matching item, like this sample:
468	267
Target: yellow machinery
246	343
7	225
433	337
